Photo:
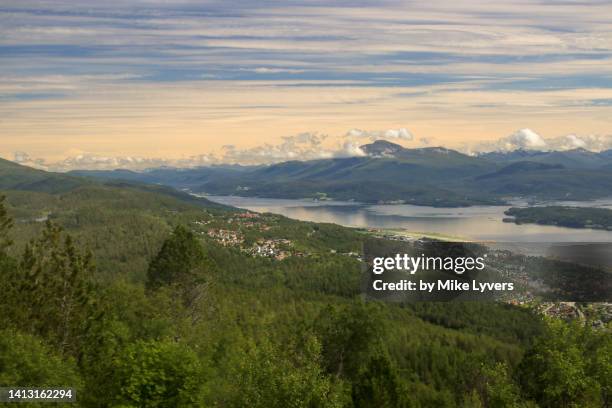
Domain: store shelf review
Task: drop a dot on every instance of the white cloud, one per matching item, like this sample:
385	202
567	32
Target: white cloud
310	146
86	161
589	142
573	141
527	139
303	146
25	159
21	157
350	149
523	139
389	134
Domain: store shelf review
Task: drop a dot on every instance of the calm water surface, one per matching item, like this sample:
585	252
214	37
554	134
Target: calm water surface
481	223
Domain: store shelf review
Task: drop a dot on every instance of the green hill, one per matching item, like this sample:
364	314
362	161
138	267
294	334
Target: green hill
22	178
16	177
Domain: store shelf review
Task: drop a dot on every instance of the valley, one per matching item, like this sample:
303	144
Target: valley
245	291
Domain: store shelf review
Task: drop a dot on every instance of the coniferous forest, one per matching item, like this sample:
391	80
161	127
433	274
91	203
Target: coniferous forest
133	296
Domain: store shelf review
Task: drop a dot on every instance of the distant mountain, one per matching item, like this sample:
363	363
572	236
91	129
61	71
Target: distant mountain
425	155
574	174
607	154
521	167
574	159
547	183
391	173
382	148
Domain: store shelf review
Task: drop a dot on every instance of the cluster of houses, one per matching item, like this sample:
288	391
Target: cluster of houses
226	237
562	310
278	249
249	220
352	254
271	248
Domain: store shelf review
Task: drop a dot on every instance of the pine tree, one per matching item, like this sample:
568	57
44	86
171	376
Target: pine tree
181	264
179	260
54	289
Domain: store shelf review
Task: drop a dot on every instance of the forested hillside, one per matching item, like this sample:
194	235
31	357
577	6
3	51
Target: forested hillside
387	172
139	297
572	217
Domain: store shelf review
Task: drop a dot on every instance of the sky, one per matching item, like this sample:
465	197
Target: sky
261	81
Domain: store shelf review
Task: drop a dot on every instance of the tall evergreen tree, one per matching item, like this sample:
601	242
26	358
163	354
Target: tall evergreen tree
54	289
181	264
179	261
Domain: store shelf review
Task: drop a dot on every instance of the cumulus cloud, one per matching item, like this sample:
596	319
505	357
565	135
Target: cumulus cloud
389	134
350	149
303	146
21	157
594	143
572	141
85	161
522	139
196	161
25	159
311	146
525	139
528	139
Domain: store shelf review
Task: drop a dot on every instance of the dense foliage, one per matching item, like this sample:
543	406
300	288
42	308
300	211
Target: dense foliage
123	296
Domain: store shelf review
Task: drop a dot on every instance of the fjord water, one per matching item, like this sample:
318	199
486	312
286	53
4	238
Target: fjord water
480	223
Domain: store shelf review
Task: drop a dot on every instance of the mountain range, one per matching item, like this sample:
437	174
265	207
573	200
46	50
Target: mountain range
388	172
